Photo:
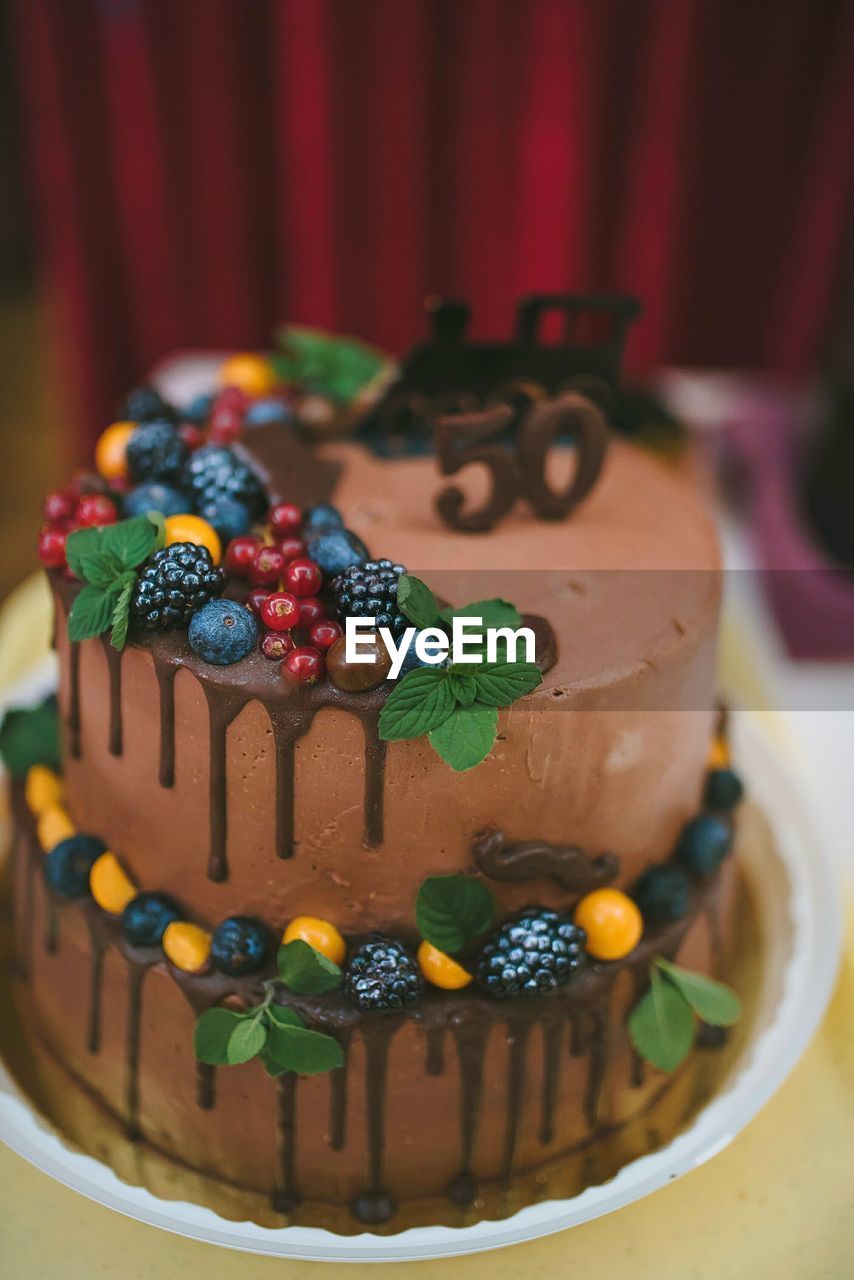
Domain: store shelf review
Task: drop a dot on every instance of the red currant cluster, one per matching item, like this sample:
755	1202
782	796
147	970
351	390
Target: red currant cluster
66	510
284	594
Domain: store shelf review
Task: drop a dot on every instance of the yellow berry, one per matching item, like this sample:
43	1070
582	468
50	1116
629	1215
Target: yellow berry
612	922
187	945
718	753
441	969
252	373
188	528
111	450
43	789
320	934
54	824
110	885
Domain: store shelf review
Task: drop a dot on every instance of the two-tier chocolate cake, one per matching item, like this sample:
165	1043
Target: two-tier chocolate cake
341	939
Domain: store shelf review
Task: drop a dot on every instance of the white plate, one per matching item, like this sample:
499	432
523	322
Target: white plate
801	927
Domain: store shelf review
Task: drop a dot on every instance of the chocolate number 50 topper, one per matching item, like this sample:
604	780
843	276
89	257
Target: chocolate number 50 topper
472	437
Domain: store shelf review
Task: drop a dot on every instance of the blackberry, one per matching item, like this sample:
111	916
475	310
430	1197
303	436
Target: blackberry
214	473
381	975
530	954
369	590
145	403
156	452
174	583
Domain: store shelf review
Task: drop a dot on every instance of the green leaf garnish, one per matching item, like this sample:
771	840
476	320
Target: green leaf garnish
296	1048
246	1041
325	363
105	558
30	735
418	703
451	911
661	1025
493	613
714	1002
306	970
212	1034
463	686
416	600
501	683
466	737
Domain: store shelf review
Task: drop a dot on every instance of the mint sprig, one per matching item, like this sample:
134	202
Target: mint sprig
453	910
454	706
661	1025
30	735
106	560
272	1032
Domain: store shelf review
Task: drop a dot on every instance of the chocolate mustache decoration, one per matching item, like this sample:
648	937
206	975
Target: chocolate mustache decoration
570	866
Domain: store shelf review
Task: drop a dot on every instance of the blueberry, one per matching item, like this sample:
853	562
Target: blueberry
323	516
68	864
145	918
239	945
262	412
199	408
229	517
146	403
336	549
154	496
704	843
155	451
662	894
724	790
223	632
411	659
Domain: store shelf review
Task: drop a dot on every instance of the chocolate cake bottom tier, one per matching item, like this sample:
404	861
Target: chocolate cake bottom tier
462	1093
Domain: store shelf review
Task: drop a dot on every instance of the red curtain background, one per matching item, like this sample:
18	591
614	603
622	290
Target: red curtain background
205	168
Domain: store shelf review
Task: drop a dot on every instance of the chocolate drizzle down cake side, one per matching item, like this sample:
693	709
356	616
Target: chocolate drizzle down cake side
338	938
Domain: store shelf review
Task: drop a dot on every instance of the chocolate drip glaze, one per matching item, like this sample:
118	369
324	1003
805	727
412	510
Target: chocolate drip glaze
74	699
51	932
114	667
552	1042
291	708
467	1015
570	866
284	1197
166	683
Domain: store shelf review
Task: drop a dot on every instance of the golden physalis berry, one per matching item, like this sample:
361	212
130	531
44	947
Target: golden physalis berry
187	945
251	373
320	934
612	922
718	754
43	789
441	969
54	824
189	528
111	450
110	885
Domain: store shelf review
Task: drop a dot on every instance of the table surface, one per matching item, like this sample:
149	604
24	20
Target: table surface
778	1201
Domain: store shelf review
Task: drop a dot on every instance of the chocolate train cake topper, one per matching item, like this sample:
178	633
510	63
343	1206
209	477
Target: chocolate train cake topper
489	402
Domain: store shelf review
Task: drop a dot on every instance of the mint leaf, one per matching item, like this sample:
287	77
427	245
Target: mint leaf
500	683
100	569
91	613
79	544
130	541
418	703
466	736
451	911
121	612
493	613
212	1034
661	1025
246	1041
284	1015
30	735
416	600
309	1053
712	1001
463	687
305	970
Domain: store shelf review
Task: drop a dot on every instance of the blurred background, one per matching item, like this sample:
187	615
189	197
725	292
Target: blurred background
187	173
